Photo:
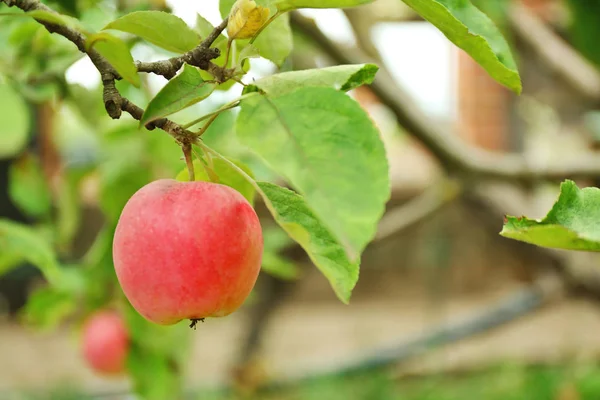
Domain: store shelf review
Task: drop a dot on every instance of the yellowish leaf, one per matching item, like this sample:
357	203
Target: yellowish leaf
246	19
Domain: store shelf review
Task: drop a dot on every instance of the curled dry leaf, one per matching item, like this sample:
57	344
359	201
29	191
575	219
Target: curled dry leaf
245	19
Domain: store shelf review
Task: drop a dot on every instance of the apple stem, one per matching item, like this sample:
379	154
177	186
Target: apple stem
195	321
187	153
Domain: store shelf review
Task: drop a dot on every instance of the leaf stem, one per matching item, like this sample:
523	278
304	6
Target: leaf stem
207	125
209	150
225	107
187	153
208	165
262	28
228	52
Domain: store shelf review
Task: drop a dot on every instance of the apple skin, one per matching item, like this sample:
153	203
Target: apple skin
105	342
187	250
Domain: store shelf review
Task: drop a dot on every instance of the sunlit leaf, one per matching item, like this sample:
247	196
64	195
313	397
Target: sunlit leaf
226	175
275	42
293	214
184	90
571	224
160	28
342	77
116	53
286	5
327	147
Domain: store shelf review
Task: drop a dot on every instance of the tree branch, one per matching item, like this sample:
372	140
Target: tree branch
114	103
514	306
556	53
200	57
457	156
417	209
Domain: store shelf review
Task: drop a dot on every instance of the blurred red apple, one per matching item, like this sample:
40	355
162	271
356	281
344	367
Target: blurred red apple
187	250
105	342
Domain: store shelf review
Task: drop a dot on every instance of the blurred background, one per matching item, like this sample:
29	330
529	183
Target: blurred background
445	308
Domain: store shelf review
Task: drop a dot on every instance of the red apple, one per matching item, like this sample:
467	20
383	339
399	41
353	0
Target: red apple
187	250
106	342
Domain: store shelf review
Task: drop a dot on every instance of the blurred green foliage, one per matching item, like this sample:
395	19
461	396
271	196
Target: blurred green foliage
113	159
102	162
584	27
509	382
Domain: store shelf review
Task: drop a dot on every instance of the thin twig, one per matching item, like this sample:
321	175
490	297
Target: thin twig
225	107
511	308
209	115
417	210
200	57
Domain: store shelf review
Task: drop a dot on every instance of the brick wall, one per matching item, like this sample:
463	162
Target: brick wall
483	106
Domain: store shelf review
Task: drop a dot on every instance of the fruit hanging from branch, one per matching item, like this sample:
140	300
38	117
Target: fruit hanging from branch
105	342
187	250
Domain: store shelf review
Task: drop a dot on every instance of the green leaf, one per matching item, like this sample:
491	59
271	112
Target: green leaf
160	28
24	243
286	5
204	28
47	307
249	51
185	90
474	32
584	27
342	77
327	147
275	42
14	126
227	176
225	7
571	224
27	187
293	214
116	53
